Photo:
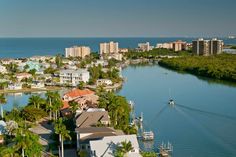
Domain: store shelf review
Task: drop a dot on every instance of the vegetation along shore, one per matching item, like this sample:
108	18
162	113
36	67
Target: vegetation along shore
221	67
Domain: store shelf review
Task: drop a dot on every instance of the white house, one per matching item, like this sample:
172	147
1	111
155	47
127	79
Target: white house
74	77
107	146
104	82
3	69
16	86
37	84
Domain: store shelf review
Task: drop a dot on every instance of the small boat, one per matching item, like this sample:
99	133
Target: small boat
148	136
231	37
171	102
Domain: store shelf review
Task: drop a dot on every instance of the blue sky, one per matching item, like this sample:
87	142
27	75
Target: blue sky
117	18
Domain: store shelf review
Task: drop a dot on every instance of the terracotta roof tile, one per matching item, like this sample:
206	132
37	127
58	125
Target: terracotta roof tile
77	93
65	105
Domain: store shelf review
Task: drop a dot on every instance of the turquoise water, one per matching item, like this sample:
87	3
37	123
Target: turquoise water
203	123
27	47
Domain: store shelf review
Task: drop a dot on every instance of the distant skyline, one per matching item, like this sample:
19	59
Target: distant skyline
122	18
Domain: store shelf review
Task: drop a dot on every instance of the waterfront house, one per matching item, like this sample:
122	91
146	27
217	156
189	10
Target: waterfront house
15	86
73	77
21	76
87	101
37	84
107	146
85	135
106	82
92	118
76	93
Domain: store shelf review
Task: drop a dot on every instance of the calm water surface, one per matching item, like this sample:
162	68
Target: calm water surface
203	123
27	47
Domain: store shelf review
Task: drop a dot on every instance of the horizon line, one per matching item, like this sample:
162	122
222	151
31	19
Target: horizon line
119	37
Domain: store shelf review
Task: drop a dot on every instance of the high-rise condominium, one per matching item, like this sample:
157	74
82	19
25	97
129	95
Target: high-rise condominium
207	47
77	51
107	48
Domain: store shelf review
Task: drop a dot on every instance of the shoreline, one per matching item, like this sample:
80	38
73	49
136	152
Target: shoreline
49	88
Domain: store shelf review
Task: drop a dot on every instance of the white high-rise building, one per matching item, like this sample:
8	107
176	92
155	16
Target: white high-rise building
107	48
144	46
77	51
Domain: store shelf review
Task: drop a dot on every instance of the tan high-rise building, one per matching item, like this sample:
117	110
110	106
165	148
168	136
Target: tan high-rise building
179	45
107	48
77	51
207	47
216	46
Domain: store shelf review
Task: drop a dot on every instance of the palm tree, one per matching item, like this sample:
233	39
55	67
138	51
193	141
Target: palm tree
8	152
3	101
27	143
22	142
74	106
63	133
81	85
50	95
126	146
56	104
35	100
123	149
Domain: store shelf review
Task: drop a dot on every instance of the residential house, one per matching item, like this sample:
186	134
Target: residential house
37	84
106	82
84	135
76	93
92	118
74	77
85	103
21	76
15	86
107	146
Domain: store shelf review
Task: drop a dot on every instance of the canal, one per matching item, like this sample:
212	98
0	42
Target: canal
203	121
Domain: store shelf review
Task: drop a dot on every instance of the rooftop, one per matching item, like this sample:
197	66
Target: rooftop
73	71
77	93
89	119
107	145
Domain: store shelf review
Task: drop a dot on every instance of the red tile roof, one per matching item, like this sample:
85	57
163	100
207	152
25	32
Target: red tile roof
65	105
77	93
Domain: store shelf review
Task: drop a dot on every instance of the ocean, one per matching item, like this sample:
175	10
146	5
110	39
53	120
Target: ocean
27	47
